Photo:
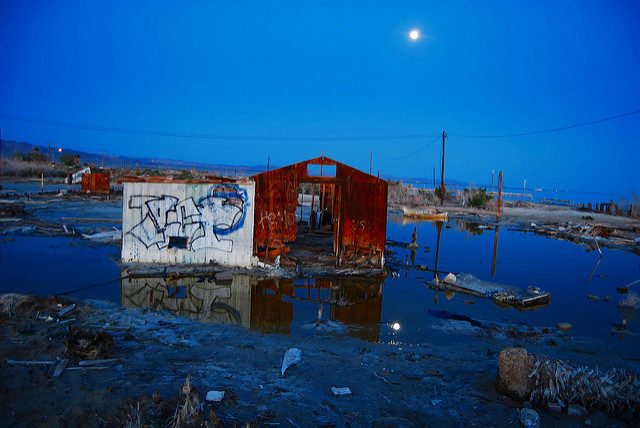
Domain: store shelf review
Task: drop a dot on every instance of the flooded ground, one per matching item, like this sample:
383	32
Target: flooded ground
407	352
366	308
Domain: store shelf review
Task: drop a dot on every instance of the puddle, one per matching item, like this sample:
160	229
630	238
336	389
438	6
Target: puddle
395	310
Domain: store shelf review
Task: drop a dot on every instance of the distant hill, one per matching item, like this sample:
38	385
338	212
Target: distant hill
10	147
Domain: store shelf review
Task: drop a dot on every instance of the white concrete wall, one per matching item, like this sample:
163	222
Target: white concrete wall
188	223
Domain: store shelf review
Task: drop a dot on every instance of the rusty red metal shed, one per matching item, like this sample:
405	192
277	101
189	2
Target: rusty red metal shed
95	183
356	201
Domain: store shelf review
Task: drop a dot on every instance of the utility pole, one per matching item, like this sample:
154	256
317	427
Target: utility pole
524	187
444	135
102	160
371	164
268	164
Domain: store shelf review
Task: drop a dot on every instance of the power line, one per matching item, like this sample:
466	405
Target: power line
414	153
211	136
297	139
544	131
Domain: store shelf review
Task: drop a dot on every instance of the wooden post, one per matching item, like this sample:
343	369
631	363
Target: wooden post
495	251
444	135
136	169
42	183
435	270
312	223
499	193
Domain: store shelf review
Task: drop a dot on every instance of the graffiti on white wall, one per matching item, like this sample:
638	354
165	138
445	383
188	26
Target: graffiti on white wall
168	222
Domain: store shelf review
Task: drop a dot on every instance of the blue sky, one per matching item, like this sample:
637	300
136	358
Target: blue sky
336	69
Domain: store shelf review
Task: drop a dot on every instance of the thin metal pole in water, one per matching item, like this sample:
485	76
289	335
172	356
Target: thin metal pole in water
444	135
499	193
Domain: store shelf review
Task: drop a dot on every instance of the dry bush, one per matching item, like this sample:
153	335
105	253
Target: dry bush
13	167
400	194
628	206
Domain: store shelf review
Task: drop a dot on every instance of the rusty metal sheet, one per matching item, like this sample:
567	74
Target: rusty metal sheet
360	206
95	183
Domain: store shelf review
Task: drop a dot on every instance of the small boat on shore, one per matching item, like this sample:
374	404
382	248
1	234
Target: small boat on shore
425	214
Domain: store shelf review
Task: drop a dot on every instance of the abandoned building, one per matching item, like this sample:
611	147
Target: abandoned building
319	210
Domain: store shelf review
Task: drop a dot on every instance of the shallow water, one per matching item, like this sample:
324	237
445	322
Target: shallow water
363	308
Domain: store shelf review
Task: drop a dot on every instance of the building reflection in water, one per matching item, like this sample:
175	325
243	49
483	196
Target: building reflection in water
261	304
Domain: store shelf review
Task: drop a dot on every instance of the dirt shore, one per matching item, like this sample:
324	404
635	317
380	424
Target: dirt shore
448	381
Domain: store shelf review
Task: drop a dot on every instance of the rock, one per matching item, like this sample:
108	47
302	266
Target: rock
564	326
450	278
340	390
529	418
291	357
575	411
514	367
215	396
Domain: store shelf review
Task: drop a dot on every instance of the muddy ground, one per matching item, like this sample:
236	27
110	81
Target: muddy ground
449	381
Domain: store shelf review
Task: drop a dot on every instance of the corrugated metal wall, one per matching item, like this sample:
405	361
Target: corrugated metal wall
360	204
187	222
95	183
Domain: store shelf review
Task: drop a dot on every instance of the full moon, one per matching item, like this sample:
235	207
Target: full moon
414	34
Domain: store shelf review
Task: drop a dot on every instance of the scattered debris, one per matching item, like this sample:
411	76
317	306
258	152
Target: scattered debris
291	357
57	367
630	301
505	296
110	236
603	298
189	413
343	390
83	345
215	396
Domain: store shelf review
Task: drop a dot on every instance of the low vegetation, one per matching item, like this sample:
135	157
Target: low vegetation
629	206
477	198
17	167
399	194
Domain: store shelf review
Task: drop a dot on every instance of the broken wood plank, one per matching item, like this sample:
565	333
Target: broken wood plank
57	367
86	363
29	362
